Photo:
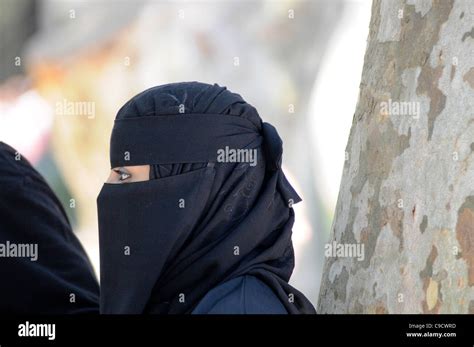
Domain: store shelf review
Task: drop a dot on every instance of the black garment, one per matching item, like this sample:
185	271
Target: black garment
31	214
199	222
241	295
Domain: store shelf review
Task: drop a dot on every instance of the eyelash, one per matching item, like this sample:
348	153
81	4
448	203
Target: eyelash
123	175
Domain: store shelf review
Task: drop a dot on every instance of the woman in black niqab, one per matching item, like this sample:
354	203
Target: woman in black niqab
202	235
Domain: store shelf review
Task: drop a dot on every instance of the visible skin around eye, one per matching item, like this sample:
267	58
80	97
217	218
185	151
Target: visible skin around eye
128	174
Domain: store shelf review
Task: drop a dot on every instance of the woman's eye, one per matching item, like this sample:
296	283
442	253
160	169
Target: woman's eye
124	176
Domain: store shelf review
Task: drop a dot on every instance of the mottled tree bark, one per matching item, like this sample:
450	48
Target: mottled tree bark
407	191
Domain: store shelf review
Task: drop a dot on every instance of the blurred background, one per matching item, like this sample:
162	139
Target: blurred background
68	66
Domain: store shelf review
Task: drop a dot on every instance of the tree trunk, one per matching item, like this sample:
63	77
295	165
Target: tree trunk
402	239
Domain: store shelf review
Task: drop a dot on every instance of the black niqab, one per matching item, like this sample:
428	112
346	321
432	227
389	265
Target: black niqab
198	222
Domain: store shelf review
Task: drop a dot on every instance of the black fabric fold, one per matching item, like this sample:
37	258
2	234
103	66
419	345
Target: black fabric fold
184	138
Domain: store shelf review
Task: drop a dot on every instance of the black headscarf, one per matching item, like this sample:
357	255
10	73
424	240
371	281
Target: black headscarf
160	256
61	278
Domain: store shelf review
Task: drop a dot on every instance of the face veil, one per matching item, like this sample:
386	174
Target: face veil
199	221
